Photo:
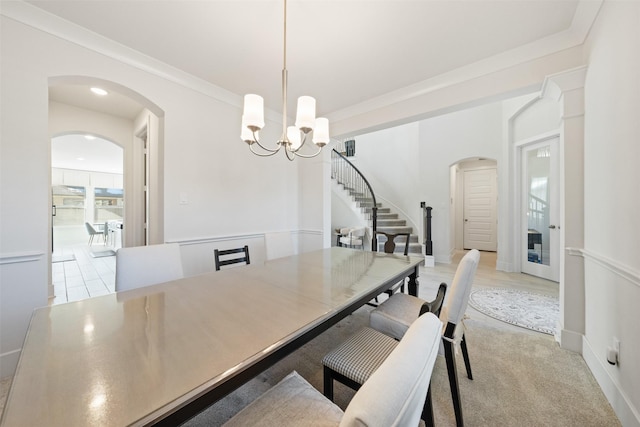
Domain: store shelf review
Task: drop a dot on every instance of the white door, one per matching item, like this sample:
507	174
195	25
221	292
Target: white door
480	217
540	210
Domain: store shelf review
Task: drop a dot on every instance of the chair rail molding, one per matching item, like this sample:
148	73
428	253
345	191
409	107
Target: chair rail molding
615	267
18	257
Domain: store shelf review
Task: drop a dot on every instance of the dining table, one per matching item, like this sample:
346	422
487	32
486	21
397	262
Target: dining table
160	354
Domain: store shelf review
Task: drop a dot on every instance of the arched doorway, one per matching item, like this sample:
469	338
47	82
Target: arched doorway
474	209
133	123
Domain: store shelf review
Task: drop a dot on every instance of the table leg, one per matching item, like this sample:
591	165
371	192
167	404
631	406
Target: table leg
414	285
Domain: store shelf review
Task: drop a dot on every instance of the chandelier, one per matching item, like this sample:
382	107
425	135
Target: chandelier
293	137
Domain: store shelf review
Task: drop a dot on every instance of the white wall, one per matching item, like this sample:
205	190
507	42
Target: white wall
230	191
411	163
612	202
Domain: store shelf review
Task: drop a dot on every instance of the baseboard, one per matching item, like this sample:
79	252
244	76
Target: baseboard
9	363
626	413
429	261
570	340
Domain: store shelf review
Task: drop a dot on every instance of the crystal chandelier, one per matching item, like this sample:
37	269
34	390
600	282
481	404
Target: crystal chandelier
293	137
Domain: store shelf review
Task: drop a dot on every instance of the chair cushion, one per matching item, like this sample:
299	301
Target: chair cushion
291	402
361	354
394	316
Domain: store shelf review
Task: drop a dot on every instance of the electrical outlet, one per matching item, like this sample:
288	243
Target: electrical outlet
616	347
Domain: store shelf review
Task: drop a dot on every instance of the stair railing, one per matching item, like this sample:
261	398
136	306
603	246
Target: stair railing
345	173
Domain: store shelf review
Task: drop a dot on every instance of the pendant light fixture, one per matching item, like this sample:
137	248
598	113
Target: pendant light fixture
293	137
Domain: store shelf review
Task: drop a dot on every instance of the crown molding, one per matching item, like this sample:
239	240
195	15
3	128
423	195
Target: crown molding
583	20
585	15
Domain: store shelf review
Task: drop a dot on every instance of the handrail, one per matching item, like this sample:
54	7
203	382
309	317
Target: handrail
345	173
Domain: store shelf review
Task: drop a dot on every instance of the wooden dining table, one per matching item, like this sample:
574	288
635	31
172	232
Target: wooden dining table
163	353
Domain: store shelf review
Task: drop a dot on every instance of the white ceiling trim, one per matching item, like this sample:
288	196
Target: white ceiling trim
30	15
44	21
583	20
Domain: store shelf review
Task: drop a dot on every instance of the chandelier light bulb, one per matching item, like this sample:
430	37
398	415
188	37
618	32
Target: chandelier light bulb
321	132
306	115
245	133
293	135
253	111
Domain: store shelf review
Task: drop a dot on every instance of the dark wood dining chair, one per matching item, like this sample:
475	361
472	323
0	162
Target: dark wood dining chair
389	248
227	260
390	244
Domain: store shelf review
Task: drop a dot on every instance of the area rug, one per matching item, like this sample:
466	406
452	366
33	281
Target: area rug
100	254
525	309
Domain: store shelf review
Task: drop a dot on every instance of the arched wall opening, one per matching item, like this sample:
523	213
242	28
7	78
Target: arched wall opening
134	123
474	204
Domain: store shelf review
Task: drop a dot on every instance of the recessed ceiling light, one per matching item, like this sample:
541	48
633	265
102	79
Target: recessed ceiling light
90	137
80	158
99	91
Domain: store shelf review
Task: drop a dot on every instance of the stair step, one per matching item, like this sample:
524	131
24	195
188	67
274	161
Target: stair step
380	210
400	239
414	248
383	222
387	215
396	229
367	204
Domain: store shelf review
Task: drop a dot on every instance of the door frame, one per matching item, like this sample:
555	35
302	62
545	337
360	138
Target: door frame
517	201
494	207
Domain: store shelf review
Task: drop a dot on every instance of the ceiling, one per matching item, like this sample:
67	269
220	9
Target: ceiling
86	152
342	52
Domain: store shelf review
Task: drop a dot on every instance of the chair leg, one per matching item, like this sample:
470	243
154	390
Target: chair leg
465	356
450	357
328	383
427	410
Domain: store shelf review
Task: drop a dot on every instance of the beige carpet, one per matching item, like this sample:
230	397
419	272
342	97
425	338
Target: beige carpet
520	379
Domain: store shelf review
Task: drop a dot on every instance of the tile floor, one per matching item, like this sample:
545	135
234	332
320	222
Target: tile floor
84	277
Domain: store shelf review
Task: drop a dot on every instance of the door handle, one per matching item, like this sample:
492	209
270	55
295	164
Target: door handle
552	227
53	210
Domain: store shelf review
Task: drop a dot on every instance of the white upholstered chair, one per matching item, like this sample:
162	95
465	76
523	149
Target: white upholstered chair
393	396
352	237
147	265
394	316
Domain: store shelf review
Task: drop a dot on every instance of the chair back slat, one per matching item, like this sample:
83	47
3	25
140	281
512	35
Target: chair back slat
217	253
390	244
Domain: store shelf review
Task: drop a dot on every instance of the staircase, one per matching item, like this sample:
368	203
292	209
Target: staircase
352	180
389	222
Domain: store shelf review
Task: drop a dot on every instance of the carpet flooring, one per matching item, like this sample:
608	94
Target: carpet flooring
519	380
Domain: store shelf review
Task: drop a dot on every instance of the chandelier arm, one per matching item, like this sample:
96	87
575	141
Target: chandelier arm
304	139
268	154
265	148
308	156
270	150
290	155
